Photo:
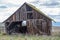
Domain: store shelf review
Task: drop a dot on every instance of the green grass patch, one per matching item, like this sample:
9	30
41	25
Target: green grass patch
28	37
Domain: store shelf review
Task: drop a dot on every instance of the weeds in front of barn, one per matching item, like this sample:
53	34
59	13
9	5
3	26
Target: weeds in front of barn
28	37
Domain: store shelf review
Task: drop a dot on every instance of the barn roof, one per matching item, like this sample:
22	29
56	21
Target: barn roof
39	11
34	9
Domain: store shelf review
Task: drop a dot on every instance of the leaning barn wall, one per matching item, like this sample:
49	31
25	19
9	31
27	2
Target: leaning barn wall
21	14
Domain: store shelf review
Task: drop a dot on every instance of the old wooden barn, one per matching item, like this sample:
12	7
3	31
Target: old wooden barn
28	20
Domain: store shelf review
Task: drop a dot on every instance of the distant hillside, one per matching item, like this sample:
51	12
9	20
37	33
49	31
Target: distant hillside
56	29
2	27
1	24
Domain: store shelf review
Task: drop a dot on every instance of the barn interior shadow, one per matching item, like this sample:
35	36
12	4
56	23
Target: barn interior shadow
20	28
17	27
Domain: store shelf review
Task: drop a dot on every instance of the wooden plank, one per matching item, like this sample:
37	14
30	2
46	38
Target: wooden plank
17	16
14	17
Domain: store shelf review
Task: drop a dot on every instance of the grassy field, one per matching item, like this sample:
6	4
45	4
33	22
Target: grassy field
55	36
28	37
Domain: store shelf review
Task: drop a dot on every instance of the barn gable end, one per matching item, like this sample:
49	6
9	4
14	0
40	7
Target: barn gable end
36	21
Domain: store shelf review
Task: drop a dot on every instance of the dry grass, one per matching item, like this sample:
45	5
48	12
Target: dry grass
55	36
28	37
56	31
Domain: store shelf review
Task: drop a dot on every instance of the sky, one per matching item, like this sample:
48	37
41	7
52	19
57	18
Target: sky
49	7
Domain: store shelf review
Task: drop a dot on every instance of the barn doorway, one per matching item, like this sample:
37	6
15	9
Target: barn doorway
21	27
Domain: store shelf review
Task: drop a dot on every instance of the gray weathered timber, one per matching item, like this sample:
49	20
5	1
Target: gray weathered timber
37	22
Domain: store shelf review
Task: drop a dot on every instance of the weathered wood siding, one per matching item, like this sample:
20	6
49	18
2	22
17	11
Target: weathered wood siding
21	14
38	26
14	17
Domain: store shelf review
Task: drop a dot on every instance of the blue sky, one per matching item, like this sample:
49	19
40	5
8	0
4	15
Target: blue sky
49	7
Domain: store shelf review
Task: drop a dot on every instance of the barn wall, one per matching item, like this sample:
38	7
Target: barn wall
38	26
21	14
14	17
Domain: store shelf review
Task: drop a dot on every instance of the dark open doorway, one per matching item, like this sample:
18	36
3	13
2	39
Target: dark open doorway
23	29
19	28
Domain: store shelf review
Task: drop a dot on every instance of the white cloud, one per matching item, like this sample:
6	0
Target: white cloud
12	5
57	20
56	17
44	1
16	1
51	11
4	14
50	3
